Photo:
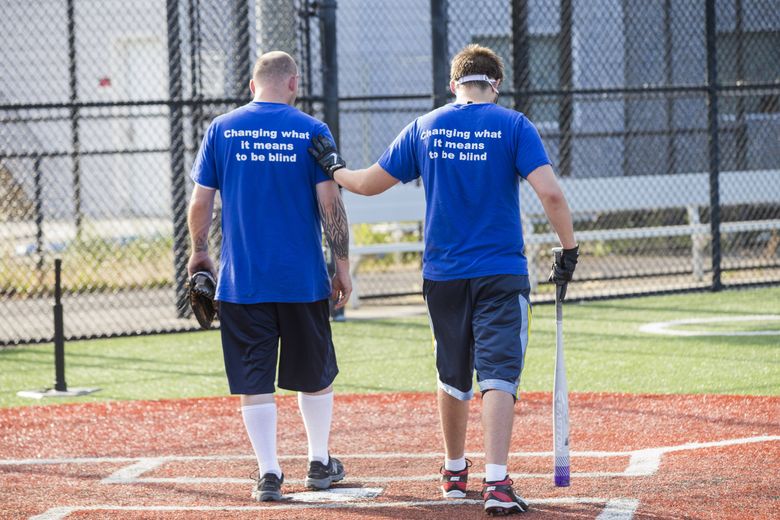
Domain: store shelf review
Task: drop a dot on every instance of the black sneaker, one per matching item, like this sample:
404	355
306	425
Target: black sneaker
501	499
268	488
321	476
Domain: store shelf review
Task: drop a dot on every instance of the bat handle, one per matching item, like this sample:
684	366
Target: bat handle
558	255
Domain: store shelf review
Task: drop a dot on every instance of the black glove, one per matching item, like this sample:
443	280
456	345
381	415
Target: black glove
563	267
326	155
202	289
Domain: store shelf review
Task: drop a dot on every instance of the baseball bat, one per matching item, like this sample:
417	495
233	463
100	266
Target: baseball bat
560	396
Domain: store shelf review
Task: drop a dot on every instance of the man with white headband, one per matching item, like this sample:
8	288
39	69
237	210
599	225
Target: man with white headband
471	155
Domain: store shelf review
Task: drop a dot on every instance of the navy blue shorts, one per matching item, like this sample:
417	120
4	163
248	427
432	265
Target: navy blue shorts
251	336
479	323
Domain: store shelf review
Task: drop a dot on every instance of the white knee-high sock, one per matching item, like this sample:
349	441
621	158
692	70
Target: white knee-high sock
260	422
317	412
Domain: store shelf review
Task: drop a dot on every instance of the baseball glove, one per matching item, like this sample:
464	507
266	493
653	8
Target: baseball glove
202	288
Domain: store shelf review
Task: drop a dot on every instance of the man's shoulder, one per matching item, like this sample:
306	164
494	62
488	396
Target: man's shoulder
452	111
227	117
501	111
436	113
295	114
304	116
430	119
244	111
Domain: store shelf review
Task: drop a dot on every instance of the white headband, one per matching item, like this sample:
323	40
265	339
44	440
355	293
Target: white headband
475	77
478	77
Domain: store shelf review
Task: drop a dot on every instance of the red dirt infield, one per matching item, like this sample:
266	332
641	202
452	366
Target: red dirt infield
634	456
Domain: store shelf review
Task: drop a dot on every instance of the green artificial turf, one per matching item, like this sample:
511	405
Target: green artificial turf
605	351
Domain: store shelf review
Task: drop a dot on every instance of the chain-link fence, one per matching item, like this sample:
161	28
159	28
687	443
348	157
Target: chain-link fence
662	118
103	105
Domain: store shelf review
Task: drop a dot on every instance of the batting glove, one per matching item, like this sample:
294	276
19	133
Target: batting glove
326	155
563	267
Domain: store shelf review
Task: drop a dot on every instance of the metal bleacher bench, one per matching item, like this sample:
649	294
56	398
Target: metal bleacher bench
588	197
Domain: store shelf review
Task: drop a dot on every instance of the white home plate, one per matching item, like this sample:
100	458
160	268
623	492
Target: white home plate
335	495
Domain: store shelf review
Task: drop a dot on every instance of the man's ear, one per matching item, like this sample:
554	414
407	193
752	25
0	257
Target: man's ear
293	84
452	87
252	86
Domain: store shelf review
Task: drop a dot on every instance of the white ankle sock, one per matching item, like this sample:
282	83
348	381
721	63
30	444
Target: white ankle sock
317	412
455	464
260	422
494	472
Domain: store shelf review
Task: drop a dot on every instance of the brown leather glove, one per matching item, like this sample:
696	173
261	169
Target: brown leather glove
202	289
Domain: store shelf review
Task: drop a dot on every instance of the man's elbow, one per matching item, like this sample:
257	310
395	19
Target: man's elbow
199	204
368	190
552	198
200	207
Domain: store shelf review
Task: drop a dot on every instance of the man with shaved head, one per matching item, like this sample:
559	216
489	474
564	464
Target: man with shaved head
273	286
274	66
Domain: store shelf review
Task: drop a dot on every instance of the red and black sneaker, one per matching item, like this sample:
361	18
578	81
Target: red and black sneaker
501	499
453	483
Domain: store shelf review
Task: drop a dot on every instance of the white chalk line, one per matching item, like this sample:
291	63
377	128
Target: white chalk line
377	456
133	472
615	509
643	462
362	479
639	453
664	327
619	509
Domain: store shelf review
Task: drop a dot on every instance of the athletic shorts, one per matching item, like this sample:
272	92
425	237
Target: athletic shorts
251	337
479	323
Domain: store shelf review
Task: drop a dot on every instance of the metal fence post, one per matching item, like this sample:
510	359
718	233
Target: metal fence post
38	216
59	331
520	56
304	18
239	64
714	147
178	175
196	112
565	80
74	116
439	53
330	70
739	62
671	155
38	212
330	96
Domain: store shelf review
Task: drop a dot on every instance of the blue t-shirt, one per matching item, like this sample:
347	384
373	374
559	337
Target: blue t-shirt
469	157
256	156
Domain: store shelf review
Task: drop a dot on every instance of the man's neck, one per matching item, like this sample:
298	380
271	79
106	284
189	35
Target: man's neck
270	96
259	99
464	97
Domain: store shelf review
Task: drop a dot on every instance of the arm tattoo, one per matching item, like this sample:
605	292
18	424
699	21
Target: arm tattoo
334	221
201	242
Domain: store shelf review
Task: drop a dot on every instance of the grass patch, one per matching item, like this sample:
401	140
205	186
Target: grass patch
604	352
